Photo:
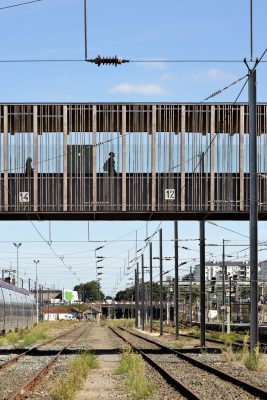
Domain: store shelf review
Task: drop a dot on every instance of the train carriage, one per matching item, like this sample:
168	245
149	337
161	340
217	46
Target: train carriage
17	308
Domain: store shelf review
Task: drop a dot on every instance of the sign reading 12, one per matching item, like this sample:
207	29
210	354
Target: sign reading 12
169	194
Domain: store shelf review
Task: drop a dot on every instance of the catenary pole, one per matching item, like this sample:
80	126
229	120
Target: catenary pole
202	284
253	220
151	288
85	28
143	292
161	283
176	280
223	287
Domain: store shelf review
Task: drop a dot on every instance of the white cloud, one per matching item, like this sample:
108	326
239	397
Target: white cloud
215	75
148	88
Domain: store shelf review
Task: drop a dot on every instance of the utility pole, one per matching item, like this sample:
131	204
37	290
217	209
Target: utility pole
137	296
190	297
85	28
161	282
143	293
253	226
151	288
176	280
202	285
223	288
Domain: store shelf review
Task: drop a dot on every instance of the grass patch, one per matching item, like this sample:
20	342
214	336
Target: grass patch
65	388
133	367
252	360
178	344
228	338
121	323
28	337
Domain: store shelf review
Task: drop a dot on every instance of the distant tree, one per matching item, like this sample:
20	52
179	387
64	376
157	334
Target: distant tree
89	291
129	293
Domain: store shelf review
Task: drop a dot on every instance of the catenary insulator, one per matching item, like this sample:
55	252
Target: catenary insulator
107	60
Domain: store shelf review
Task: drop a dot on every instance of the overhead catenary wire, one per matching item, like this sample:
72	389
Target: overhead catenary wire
20	4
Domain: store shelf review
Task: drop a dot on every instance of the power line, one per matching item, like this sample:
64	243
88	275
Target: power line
20	4
228	229
225	88
52	60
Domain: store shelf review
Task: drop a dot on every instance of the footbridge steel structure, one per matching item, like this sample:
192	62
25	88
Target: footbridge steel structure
168	161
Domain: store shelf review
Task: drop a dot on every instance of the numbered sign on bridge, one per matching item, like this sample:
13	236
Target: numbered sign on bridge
24	197
169	194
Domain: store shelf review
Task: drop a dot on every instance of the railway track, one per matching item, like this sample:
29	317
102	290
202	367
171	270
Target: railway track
192	378
18	375
238	344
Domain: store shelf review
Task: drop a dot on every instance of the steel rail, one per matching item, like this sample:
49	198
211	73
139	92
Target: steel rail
169	378
30	384
237	344
32	349
254	390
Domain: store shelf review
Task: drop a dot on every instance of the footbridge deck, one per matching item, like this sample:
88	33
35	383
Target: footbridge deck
129	161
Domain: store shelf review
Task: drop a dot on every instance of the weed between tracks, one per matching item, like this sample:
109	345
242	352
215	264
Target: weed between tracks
252	361
65	388
133	367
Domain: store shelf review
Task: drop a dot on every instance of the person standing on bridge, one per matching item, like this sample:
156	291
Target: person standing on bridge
109	164
28	167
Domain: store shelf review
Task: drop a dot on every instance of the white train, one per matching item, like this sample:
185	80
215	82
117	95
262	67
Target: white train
17	308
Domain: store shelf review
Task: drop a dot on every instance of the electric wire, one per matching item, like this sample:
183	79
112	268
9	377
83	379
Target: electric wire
20	4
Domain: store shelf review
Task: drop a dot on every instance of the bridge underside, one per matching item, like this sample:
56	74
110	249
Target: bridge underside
129	216
129	161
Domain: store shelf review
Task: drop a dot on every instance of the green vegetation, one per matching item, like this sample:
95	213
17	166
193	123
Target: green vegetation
120	323
28	337
178	344
24	338
133	368
65	388
90	291
252	360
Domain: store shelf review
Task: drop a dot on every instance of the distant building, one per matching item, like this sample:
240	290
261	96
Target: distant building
214	270
263	270
59	313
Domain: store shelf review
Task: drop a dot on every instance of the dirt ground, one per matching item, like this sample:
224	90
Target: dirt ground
101	383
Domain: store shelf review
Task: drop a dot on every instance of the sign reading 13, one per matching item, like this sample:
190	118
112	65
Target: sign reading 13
169	194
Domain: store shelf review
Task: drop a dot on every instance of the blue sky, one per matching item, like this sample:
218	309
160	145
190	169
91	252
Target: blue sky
139	30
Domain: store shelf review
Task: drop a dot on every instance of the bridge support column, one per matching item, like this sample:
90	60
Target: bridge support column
35	158
202	284
65	159
5	158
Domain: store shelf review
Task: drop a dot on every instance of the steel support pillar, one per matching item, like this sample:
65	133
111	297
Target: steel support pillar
176	280
150	288
202	284
136	295
161	283
253	221
223	288
143	293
